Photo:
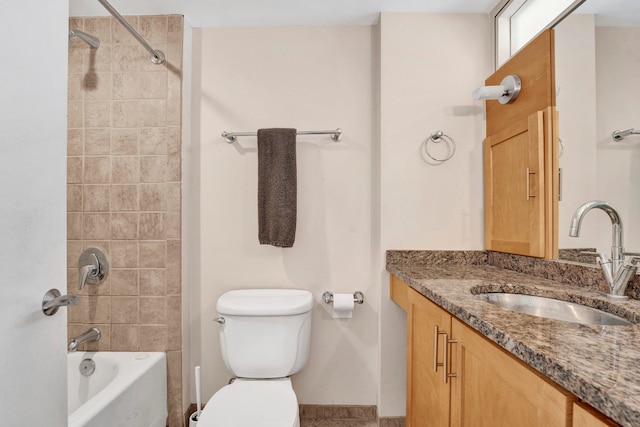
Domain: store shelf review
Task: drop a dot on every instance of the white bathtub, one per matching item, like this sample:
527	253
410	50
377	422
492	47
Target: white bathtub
126	390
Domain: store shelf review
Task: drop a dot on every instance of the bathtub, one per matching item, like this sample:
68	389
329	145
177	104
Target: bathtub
125	390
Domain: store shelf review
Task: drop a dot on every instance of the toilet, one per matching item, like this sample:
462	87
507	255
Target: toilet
264	339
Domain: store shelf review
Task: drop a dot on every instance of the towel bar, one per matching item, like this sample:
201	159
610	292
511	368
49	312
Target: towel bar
336	135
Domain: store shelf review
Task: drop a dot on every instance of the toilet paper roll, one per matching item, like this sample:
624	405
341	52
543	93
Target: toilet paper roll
488	92
343	306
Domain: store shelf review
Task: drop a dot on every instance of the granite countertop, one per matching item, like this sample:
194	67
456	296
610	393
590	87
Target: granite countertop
598	364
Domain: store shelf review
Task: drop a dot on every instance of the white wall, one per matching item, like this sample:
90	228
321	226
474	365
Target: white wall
33	79
618	107
576	103
430	64
308	78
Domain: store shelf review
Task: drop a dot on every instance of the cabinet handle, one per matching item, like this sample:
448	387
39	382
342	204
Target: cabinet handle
435	348
528	194
445	362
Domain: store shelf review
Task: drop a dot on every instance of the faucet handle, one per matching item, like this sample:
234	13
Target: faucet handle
93	267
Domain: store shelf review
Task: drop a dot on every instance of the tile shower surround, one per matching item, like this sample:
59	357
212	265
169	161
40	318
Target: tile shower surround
124	188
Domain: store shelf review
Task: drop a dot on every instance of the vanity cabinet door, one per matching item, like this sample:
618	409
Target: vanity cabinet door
521	180
428	396
493	389
586	416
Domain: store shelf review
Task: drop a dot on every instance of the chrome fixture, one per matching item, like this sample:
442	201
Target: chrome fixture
619	135
53	300
336	135
436	137
358	297
157	56
90	335
93	267
506	93
615	269
220	320
551	308
92	41
87	367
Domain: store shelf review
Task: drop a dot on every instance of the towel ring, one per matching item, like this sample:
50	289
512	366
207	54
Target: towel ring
436	137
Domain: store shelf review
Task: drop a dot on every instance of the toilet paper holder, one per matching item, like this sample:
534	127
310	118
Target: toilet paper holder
358	297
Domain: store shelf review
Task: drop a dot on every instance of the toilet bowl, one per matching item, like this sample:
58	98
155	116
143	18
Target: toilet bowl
252	403
264	339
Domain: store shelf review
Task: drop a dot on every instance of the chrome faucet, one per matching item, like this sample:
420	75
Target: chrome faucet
90	335
53	300
616	271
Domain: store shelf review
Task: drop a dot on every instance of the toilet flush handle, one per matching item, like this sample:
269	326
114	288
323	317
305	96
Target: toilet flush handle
219	320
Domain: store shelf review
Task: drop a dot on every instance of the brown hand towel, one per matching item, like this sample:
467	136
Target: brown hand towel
277	197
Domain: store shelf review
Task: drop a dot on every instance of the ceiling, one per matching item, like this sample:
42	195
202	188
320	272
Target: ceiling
237	13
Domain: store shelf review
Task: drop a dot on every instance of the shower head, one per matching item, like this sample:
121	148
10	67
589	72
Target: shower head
92	41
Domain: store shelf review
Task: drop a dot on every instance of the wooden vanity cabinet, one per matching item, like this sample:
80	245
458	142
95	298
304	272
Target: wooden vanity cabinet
586	416
457	377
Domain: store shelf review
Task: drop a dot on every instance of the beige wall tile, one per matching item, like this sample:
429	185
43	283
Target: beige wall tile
174	139
174	58
97	60
153	140
174	269
124	226
97	114
126	85
74	198
99	27
75	111
125	114
76	58
153	282
75	225
124	253
124	141
119	34
152	226
74	170
74	249
173	225
97	141
172	197
75	313
124	309
153	85
153	310
97	85
96	226
96	170
74	87
96	198
174	322
125	337
75	142
153	168
175	25
153	112
174	171
124	197
152	254
152	197
153	338
97	309
126	57
124	281
154	28
125	169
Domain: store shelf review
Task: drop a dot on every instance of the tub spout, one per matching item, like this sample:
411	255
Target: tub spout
91	335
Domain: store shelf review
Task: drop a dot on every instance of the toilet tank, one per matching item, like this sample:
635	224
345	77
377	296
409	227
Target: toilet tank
266	332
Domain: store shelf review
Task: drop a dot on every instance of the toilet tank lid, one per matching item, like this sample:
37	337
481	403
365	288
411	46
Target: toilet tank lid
265	302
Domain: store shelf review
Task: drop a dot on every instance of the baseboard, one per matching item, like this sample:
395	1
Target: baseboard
392	422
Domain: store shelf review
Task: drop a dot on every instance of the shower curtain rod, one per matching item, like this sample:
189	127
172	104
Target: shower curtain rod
157	56
336	135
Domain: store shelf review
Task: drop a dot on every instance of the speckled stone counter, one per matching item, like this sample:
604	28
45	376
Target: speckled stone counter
599	364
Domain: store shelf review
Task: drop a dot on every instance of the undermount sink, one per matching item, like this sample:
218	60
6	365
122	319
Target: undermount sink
552	309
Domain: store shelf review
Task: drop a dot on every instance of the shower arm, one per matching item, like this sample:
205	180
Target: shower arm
157	56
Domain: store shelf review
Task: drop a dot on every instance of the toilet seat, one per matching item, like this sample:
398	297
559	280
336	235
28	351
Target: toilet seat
251	403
